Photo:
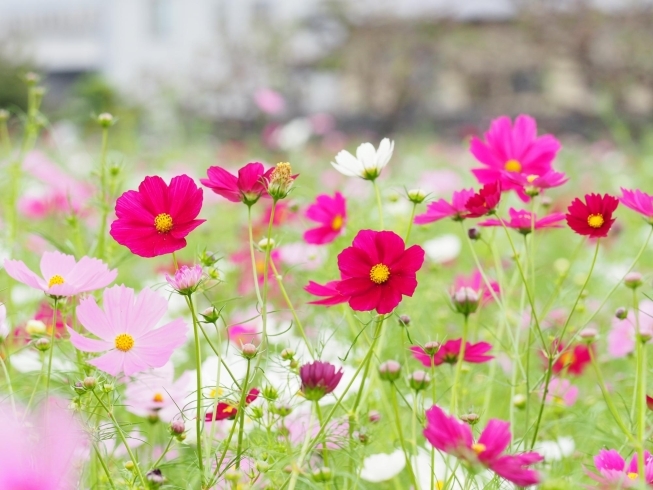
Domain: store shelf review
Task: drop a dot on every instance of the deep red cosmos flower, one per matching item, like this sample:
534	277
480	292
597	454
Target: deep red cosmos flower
248	187
378	270
155	219
484	201
228	410
319	379
594	216
327	291
573	360
449	352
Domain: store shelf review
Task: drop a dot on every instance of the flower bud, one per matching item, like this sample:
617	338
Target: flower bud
390	371
210	315
470	418
419	380
416	196
35	327
322	474
4	115
155	478
270	393
232	475
256	413
42	344
282	409
265	244
465	300
404	321
105	120
519	401
474	233
90	383
561	266
177	427
108	387
262	466
281	181
645	335
588	334
431	348
79	388
374	416
207	259
129	465
633	280
249	351
294	364
621	313
32	78
546	201
363	438
287	354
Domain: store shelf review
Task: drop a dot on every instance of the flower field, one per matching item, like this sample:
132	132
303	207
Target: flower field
393	314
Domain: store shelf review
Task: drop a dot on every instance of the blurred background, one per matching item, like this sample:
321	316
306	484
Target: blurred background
286	70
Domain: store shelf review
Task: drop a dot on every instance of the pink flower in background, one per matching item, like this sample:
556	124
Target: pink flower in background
523	221
513	149
4	326
126	331
484	201
156	393
62	275
283	213
156	219
449	352
638	201
450	435
534	184
621	339
476	283
245	334
297	424
378	271
614	472
561	391
441	209
247	188
186	279
327	291
39	450
269	101
331	214
244	262
442	181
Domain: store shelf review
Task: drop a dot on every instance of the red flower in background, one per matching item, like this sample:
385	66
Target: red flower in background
593	217
229	410
484	201
573	360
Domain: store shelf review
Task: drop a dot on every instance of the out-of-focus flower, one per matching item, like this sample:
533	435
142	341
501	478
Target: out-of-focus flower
4	327
319	379
368	162
186	279
533	185
327	291
378	270
303	255
476	283
562	392
440	209
484	201
593	217
228	410
572	360
638	201
449	352
156	219
381	467
557	450
450	435
331	214
247	188
62	275
443	249
614	472
126	331
622	336
269	101
524	222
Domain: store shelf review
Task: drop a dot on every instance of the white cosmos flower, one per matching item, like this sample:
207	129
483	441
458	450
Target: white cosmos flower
556	450
367	163
381	467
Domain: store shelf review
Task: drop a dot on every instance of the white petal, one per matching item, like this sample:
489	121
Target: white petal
384	153
347	164
366	154
443	249
382	467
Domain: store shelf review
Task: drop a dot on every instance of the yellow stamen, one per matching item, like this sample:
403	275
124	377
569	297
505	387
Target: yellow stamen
439	485
336	224
595	220
229	409
163	223
214	392
632	476
567	358
478	448
124	342
512	166
531	178
158	398
380	273
55	280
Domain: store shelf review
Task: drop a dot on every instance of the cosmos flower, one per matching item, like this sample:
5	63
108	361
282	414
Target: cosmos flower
319	379
248	187
614	472
523	221
450	435
484	201
533	185
368	162
476	283
229	410
378	270
593	217
441	209
327	291
331	214
126	331
156	219
449	352
638	201
573	360
62	275
621	338
510	149
186	279
562	392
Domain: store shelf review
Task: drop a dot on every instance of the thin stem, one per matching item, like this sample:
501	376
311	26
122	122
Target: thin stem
216	351
433	392
104	466
378	203
459	366
198	365
54	328
9	386
302	455
410	222
251	254
165	451
104	207
325	448
641	389
402	441
241	414
366	363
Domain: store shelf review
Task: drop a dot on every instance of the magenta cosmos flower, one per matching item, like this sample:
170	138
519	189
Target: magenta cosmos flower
484	201
127	332
449	352
533	185
440	209
40	452
523	221
247	187
62	275
513	149
319	379
614	472
156	219
378	270
593	217
450	435
638	201
328	291
331	214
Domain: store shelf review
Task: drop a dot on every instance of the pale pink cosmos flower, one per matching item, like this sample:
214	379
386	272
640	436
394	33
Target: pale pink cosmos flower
39	451
614	472
186	279
269	101
156	393
127	331
534	184
62	275
562	392
621	339
638	201
441	209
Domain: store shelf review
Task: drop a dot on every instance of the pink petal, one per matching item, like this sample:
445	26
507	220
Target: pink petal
88	345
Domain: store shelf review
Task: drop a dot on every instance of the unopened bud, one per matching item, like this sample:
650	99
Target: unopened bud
129	465
90	382
294	364
232	475
404	320
32	78
374	416
281	181
35	327
256	412
210	315
322	474
519	401
470	418
416	196
265	244
419	380
546	201
633	280
474	234
649	402
588	334
282	409
42	344
249	351
561	266
270	393
108	387
177	427
155	478
287	354
105	120
390	371
466	300
363	438
262	466
621	313
431	348
645	335
79	388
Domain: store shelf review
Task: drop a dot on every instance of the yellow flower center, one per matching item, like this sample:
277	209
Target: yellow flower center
229	409
567	358
55	280
124	342
478	448
379	273
632	476
512	166
439	485
336	224
163	223
595	220
215	392
158	397
531	178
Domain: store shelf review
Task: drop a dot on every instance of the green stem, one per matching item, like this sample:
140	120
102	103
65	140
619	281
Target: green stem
366	363
54	329
198	364
402	441
165	451
459	366
104	466
378	203
216	351
410	222
9	386
302	455
433	392
241	415
641	389
325	457
104	206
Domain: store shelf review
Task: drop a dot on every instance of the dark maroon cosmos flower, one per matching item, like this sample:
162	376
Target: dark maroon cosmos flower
593	217
319	379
